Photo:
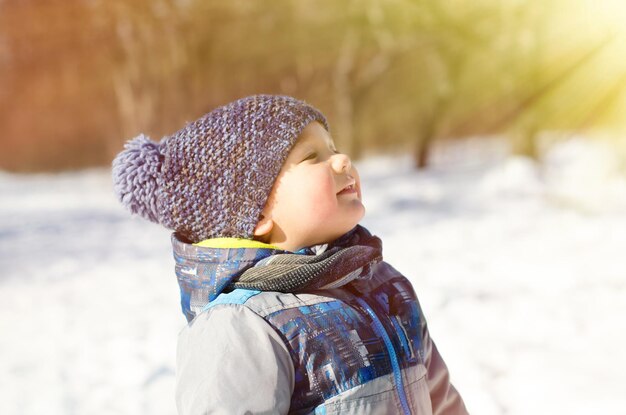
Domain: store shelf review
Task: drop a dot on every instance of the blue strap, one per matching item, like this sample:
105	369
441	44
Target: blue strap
237	296
395	365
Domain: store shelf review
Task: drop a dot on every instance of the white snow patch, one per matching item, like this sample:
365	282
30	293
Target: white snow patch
518	266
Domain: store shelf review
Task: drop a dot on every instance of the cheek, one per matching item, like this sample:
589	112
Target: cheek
315	193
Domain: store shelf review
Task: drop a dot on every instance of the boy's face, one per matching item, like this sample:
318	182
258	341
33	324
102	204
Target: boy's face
309	203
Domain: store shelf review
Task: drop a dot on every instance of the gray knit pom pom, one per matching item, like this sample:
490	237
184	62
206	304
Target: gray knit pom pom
135	172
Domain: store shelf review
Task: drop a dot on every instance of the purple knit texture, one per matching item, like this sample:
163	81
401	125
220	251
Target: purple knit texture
212	178
135	171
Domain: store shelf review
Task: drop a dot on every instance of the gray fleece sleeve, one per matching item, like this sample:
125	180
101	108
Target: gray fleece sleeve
231	361
444	397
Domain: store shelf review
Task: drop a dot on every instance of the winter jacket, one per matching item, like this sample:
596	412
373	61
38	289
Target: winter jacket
269	332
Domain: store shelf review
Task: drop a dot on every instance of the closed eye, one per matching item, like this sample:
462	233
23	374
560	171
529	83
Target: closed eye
314	155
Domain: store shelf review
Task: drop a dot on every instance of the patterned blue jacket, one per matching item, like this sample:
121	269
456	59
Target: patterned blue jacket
361	347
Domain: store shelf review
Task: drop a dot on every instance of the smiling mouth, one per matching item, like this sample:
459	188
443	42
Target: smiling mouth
348	189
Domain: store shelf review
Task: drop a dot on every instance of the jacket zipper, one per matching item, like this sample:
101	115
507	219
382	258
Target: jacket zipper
380	329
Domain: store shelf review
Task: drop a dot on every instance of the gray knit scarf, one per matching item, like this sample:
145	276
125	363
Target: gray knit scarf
348	258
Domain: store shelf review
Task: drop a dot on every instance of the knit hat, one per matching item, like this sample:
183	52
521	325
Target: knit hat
212	178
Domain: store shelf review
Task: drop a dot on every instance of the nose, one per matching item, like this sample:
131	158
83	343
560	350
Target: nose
341	163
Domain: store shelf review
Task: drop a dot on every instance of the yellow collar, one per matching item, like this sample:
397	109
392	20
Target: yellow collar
233	243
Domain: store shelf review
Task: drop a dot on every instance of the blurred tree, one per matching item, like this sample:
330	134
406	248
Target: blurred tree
79	77
48	84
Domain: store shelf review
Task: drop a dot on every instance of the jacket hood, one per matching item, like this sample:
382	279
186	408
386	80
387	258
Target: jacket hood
203	273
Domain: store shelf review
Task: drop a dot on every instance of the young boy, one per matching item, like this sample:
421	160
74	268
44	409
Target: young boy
290	307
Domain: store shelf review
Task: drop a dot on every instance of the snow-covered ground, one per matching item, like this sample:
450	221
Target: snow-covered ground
519	267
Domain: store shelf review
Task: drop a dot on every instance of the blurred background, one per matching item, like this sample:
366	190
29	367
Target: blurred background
78	77
491	140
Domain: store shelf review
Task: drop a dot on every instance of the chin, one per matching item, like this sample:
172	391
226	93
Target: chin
359	216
